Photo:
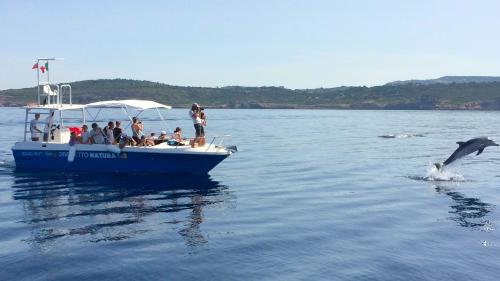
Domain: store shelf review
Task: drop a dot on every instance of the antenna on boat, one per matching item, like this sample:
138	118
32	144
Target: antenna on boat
44	68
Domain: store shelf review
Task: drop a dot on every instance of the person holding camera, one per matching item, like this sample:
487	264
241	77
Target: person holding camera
196	113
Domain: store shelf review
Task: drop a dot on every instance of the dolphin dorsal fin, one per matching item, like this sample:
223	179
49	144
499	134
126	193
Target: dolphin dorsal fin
480	151
460	143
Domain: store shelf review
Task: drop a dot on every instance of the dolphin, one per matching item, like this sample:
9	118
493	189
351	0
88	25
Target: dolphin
466	148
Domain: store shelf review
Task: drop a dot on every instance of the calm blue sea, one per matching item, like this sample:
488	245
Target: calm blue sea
310	195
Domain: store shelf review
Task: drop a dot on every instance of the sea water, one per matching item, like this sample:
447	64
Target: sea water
310	195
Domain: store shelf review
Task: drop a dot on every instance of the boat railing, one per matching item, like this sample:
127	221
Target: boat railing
68	89
56	96
216	141
220	141
50	96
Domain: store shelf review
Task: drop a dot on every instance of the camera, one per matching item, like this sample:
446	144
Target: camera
201	108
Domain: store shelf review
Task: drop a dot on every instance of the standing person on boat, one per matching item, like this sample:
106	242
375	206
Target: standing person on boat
97	135
137	131
85	135
117	131
203	117
35	132
108	131
195	115
48	124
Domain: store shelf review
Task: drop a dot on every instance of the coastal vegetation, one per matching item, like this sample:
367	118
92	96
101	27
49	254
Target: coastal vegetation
484	95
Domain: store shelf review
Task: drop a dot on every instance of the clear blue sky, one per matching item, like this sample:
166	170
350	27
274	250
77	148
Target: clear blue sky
296	44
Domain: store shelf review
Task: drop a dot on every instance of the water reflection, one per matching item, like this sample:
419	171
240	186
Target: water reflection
113	207
467	211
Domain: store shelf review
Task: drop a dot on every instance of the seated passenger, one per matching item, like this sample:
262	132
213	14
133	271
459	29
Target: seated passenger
154	140
97	135
163	136
146	141
177	135
177	139
85	135
108	132
117	131
125	141
73	139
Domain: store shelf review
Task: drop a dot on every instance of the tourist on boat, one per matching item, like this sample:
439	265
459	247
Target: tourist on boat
176	138
73	139
48	124
137	130
152	139
177	135
85	136
125	141
117	131
163	136
108	131
195	114
35	132
146	141
203	117
97	135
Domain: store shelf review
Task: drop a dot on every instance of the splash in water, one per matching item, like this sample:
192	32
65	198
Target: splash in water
434	174
400	136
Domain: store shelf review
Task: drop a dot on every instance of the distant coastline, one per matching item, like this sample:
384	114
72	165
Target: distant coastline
445	93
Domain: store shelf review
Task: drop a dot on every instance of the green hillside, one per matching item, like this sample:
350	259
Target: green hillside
407	96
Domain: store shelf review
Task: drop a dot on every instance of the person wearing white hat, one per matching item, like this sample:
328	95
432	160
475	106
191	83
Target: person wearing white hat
162	137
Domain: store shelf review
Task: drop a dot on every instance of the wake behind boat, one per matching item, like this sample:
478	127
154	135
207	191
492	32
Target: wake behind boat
56	151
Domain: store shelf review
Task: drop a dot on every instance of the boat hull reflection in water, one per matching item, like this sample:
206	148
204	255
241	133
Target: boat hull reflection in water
98	208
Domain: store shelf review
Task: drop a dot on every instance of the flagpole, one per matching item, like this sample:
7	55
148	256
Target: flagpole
38	80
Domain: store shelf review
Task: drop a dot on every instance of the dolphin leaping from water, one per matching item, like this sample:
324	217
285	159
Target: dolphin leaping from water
466	148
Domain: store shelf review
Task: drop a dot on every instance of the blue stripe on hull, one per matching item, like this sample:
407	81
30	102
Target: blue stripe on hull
127	162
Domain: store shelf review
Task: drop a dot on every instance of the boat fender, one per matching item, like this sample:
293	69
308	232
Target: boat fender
71	153
113	148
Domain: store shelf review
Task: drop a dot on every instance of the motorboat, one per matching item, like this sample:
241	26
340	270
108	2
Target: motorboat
56	152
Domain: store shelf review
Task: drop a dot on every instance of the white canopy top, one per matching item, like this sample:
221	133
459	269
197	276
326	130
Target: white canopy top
128	104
